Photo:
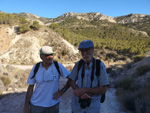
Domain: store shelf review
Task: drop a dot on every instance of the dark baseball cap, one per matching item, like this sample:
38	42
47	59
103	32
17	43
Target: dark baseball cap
86	44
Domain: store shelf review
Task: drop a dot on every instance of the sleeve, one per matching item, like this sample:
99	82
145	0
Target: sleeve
73	75
31	81
64	72
103	78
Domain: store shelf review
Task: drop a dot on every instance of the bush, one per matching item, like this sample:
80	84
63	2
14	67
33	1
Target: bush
142	102
126	83
35	25
113	73
24	25
128	100
142	105
111	55
141	70
138	58
108	70
53	26
137	100
23	28
5	80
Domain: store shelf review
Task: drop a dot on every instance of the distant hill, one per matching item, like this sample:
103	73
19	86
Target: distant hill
127	35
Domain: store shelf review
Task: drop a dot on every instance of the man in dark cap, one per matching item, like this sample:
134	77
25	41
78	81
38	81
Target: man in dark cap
87	92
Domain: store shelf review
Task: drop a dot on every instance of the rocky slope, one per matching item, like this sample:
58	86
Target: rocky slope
24	48
89	16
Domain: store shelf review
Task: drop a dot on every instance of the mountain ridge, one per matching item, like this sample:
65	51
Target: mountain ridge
92	15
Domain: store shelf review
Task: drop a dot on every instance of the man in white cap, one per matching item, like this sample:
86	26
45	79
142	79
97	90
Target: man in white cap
89	86
41	99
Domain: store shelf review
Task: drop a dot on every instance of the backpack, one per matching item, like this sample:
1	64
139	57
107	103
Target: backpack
38	64
81	62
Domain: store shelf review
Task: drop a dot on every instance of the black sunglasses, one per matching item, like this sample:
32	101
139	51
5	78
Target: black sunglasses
48	55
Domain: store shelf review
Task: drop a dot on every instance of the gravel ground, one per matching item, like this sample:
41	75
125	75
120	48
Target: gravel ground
13	102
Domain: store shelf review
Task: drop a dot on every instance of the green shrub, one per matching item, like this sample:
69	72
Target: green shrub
6	80
108	70
23	28
24	25
128	100
128	66
53	26
141	70
138	58
120	92
126	83
113	73
142	102
142	105
35	25
111	55
137	101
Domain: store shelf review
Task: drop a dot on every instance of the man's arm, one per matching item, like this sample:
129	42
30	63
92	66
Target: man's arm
27	98
92	91
59	93
73	84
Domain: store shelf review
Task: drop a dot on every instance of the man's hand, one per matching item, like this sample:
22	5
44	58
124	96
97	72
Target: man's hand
85	96
81	92
58	94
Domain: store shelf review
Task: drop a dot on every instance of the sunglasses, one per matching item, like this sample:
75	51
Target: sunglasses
48	55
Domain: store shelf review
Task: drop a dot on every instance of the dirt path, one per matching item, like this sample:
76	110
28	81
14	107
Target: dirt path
13	102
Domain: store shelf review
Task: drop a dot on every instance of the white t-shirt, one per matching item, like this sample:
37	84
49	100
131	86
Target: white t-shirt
47	83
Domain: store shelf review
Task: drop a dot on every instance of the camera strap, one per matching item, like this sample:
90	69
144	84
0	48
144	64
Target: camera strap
92	72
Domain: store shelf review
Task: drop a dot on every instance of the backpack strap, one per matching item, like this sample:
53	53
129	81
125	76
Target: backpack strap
57	66
92	73
81	62
38	64
36	69
98	74
98	67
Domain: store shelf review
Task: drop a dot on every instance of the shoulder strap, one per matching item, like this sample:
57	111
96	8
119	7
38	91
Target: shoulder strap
36	69
81	62
98	74
57	66
98	67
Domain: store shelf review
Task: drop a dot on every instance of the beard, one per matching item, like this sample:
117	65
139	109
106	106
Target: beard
87	58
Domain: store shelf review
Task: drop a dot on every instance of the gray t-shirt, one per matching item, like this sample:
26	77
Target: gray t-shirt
98	81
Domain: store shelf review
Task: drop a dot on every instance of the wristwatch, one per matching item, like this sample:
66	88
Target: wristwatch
63	89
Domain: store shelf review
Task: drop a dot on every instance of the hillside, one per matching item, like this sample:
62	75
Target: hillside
123	43
106	34
128	35
24	48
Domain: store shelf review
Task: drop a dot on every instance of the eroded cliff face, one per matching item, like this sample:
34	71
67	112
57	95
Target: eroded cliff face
24	48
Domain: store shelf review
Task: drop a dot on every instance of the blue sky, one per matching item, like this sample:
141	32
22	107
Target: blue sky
55	8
